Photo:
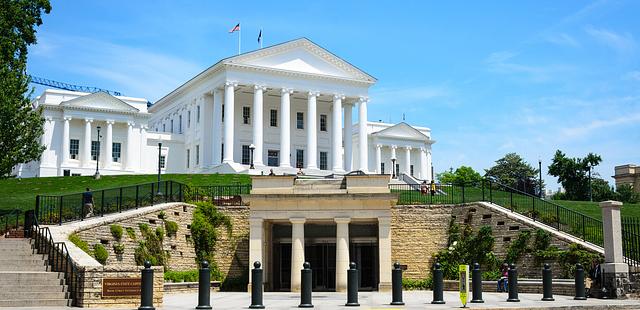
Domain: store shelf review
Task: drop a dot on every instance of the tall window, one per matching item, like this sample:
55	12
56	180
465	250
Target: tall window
95	150
188	157
163	161
323	160
171	126
299	158
74	148
246	115
381	168
273	119
116	151
397	169
246	155
300	120
273	158
222	113
164	127
179	123
222	151
198	114
411	170
197	155
323	122
189	119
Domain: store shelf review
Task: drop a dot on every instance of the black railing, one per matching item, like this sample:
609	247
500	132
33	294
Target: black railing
9	219
220	195
58	209
631	240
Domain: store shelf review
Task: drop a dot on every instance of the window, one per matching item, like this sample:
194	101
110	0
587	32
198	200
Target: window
274	118
198	115
222	151
95	150
164	128
273	157
411	170
246	155
323	160
74	148
179	123
323	122
189	119
163	161
188	156
299	158
381	168
171	126
116	151
300	120
222	113
246	115
397	169
197	155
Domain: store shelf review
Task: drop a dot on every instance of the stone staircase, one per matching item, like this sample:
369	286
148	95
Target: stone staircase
24	277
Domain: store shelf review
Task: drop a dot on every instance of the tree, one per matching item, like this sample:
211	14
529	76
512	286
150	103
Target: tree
601	190
572	173
462	176
20	122
513	171
626	194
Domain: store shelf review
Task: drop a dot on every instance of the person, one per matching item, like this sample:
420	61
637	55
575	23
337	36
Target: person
502	282
423	188
87	201
433	187
271	173
300	172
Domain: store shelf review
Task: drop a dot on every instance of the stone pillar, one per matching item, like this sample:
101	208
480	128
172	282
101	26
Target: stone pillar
429	164
336	133
255	244
285	129
363	143
207	131
407	159
312	131
217	126
128	155
86	147
348	137
393	156
65	141
257	124
45	140
378	158
423	163
141	147
384	248
342	252
108	146
614	269
229	110
297	251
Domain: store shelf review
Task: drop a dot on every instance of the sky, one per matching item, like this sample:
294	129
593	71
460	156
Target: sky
488	77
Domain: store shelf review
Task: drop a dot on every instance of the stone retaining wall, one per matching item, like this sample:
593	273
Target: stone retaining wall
91	279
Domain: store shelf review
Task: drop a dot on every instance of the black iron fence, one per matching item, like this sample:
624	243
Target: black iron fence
220	195
631	240
58	209
9	219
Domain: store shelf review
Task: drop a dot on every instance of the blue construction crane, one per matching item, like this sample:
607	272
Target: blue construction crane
67	86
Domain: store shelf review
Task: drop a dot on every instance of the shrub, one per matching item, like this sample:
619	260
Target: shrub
83	245
151	248
118	248
116	231
574	255
162	215
541	240
131	233
160	233
236	284
181	276
421	284
204	225
144	229
518	247
101	253
171	227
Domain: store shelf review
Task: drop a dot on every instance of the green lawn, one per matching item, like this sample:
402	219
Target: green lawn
593	210
21	193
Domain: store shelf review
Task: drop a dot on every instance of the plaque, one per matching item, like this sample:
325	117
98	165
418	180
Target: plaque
121	287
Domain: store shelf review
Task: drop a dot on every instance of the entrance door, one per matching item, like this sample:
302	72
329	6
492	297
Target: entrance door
282	267
365	255
322	258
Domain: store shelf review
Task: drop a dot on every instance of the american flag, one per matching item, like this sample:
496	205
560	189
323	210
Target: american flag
234	29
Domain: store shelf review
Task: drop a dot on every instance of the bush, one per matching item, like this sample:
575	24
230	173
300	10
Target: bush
204	234
422	284
237	284
190	275
626	194
162	215
151	248
171	227
83	245
116	231
541	240
101	253
118	248
131	233
518	247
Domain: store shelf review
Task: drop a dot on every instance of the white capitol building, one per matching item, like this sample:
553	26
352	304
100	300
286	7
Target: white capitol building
291	104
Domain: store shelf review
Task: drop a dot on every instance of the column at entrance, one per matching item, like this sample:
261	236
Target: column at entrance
229	107
407	159
257	123
312	134
342	253
384	248
348	137
285	132
297	251
65	141
255	244
378	169
86	147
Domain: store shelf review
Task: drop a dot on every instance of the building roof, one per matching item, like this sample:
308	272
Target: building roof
100	101
403	131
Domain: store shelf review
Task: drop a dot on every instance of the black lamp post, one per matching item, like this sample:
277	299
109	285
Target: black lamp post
590	190
159	193
251	149
393	167
97	174
540	177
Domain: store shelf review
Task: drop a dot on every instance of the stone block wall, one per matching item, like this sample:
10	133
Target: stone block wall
232	251
91	282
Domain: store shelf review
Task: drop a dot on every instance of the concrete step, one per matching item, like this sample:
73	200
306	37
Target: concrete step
28	267
34	288
24	256
38	295
25	277
32	261
35	303
6	253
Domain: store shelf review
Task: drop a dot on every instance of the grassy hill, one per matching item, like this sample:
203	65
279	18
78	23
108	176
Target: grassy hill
21	193
592	209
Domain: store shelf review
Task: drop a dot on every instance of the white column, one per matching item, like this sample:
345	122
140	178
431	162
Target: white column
429	164
229	109
362	135
312	131
342	253
257	124
378	158
86	147
255	244
129	151
384	253
108	146
285	129
423	163
348	137
217	126
336	131
141	148
207	131
407	160
45	140
65	141
393	156
297	251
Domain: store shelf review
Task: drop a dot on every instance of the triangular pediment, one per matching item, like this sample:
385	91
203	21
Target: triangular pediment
100	101
302	56
402	131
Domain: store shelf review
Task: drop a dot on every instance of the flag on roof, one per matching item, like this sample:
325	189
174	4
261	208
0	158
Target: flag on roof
234	29
260	36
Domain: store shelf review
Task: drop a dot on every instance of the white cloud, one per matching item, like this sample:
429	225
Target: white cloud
503	62
579	131
562	39
619	42
632	75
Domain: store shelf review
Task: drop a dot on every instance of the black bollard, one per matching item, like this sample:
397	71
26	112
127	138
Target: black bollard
305	289
547	284
204	287
513	284
352	286
580	291
396	285
476	284
438	285
256	287
146	288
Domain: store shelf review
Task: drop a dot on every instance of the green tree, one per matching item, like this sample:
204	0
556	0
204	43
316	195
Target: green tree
20	122
513	171
573	173
626	194
601	190
462	175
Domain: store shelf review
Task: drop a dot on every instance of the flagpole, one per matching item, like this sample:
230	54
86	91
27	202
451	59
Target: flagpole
261	37
239	38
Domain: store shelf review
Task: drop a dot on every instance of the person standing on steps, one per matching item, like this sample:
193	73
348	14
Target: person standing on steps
87	203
